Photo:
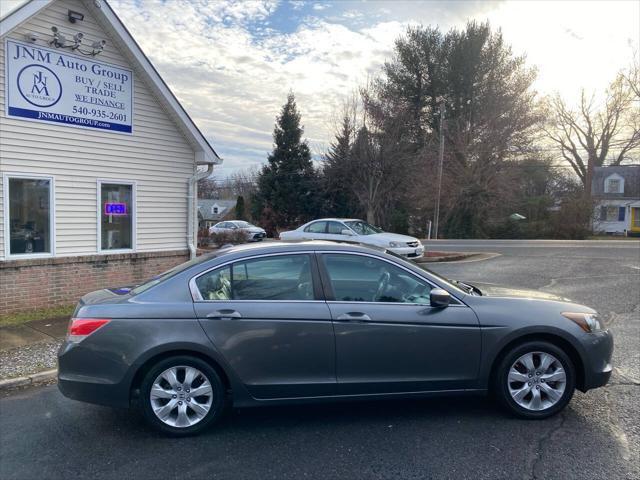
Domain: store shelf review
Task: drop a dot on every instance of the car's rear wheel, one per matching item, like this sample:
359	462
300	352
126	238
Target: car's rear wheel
182	395
535	380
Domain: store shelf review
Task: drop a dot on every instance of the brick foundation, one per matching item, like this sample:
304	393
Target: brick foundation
40	283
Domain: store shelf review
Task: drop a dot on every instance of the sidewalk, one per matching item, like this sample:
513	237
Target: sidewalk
31	347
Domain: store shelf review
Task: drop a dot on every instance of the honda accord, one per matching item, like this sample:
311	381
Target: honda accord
318	321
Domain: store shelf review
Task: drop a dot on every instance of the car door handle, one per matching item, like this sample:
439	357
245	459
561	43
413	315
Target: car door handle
354	317
224	314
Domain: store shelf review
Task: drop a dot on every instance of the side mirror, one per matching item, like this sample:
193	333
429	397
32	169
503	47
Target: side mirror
346	232
439	298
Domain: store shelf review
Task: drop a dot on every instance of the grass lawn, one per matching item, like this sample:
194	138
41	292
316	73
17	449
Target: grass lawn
41	314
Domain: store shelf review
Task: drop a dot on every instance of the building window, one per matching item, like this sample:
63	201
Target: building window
612	214
117	216
29	211
214	210
613	185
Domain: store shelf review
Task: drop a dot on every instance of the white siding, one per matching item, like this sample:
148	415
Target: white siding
613	226
157	156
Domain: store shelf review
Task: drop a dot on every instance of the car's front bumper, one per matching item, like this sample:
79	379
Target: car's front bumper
409	252
597	362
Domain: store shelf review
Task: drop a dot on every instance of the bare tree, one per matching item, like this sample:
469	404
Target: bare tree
381	161
590	136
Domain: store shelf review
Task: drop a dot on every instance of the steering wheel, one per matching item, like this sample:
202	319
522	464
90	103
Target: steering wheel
383	283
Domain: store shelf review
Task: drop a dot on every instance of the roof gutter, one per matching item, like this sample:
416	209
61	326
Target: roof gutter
192	207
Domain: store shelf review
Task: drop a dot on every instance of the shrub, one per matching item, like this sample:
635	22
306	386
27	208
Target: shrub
235	237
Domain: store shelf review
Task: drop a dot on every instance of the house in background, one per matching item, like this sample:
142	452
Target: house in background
616	192
211	212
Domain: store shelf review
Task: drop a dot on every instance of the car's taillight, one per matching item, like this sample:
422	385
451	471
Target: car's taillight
81	328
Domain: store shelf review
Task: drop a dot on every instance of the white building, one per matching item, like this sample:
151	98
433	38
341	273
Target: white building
99	162
616	192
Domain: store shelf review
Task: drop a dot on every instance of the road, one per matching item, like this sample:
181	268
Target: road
43	435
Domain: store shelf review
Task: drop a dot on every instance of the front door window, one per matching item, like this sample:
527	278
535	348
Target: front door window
358	278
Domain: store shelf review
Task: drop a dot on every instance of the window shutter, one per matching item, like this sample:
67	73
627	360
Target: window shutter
603	213
621	214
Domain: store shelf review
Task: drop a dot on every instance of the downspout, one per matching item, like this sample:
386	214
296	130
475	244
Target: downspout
193	209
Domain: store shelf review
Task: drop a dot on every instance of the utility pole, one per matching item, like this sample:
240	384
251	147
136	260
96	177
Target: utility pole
440	161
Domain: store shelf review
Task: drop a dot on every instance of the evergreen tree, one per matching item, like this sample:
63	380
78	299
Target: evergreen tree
340	200
240	211
287	185
490	115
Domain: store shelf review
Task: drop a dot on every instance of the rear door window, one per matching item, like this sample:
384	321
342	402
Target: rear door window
281	277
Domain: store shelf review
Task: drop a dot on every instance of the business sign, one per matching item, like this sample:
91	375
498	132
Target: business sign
51	86
115	208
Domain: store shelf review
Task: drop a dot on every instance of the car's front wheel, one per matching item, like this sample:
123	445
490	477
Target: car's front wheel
182	395
535	380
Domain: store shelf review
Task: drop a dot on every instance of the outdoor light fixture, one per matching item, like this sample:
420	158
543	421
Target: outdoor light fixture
61	41
75	16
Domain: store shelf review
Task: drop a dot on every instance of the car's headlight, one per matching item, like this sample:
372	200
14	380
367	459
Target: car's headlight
395	244
586	321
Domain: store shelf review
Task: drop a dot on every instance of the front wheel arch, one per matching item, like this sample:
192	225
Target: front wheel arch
559	342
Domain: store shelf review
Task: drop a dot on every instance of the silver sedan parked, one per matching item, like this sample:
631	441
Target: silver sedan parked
253	233
298	322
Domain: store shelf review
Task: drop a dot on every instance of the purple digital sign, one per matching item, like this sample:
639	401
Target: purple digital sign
115	208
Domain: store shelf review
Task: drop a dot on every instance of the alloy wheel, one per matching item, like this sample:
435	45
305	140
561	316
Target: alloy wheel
181	396
536	381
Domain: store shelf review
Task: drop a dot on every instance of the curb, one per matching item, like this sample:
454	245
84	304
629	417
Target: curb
448	258
459	257
32	379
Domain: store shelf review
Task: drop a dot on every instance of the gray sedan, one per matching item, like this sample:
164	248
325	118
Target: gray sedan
315	321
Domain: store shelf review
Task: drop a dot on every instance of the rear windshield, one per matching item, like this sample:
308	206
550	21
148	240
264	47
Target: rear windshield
152	282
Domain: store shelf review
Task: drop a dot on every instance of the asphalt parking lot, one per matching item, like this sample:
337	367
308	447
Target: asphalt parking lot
44	435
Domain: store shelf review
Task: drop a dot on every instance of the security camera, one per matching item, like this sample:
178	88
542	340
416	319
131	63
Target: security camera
31	37
54	30
61	40
98	44
78	37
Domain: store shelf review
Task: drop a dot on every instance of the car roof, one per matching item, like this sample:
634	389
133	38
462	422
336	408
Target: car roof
278	246
336	220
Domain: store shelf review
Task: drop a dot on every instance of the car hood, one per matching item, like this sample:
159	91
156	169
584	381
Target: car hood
384	238
254	229
493	290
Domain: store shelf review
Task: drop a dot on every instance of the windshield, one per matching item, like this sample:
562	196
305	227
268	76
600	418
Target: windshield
363	228
152	282
243	224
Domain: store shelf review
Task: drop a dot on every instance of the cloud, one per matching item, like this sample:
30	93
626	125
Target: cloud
231	63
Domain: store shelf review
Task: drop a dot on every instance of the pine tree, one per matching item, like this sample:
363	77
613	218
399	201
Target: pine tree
287	186
338	191
240	211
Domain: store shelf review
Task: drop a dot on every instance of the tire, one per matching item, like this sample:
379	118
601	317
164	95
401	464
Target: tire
535	393
186	415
